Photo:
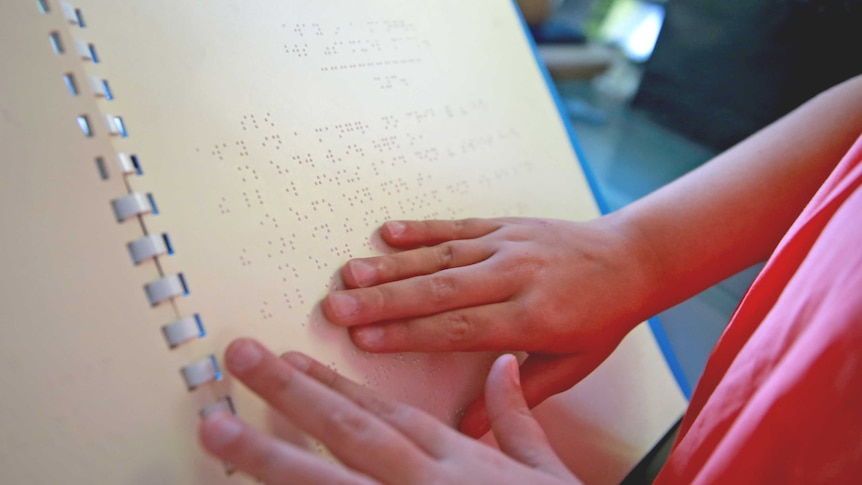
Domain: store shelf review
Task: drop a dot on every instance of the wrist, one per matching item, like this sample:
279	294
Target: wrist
639	269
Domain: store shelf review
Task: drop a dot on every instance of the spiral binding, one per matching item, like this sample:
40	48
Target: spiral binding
137	206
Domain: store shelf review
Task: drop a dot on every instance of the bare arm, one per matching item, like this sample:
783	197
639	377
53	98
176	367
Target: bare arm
731	212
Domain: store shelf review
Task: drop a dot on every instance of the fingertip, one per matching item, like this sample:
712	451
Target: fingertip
503	393
338	307
504	381
359	273
347	275
326	308
298	360
237	342
218	432
506	367
242	355
369	338
393	230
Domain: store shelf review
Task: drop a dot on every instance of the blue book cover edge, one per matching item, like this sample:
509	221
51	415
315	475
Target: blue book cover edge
654	324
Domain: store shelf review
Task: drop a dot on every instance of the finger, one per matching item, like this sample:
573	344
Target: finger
546	375
349	432
486	327
360	273
475	423
411	234
423	429
419	296
518	434
267	459
542	376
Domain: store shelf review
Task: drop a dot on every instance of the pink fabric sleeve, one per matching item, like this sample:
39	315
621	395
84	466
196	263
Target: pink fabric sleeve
780	400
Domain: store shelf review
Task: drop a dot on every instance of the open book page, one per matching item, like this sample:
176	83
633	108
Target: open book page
274	138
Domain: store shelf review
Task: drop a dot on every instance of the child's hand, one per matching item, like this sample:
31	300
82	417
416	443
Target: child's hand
377	440
565	292
537	285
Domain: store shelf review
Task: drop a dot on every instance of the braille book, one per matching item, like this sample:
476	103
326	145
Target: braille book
177	174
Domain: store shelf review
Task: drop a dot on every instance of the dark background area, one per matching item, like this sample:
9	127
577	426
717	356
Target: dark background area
723	69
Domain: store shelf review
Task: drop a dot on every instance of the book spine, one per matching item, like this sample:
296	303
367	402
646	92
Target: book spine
133	207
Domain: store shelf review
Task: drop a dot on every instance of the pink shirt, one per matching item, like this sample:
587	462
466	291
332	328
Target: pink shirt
780	400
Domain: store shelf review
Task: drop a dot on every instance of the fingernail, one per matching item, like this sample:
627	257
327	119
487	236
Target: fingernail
395	228
343	305
221	430
299	361
370	337
243	356
510	364
364	273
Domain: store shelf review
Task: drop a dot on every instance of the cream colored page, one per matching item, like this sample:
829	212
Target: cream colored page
275	137
91	394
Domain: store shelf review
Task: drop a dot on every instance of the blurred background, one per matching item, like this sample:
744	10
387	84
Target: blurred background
655	88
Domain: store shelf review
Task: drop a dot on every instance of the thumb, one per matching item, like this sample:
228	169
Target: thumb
518	434
543	376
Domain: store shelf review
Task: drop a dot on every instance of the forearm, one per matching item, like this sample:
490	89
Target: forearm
732	212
